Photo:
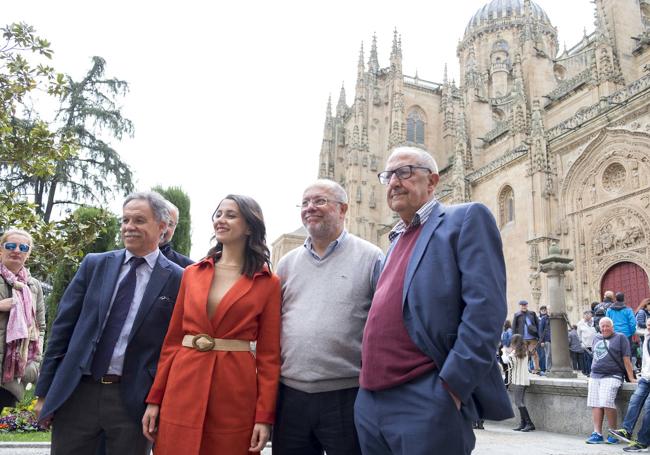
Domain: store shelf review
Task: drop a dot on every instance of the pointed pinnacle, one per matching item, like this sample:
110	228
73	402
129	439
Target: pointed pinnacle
444	77
395	48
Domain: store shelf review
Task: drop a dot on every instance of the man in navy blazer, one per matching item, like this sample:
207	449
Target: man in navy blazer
85	402
429	347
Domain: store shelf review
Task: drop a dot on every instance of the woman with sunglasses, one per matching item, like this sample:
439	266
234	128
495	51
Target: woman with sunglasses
22	318
211	394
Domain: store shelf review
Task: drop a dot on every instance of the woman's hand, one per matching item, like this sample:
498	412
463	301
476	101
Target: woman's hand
5	304
150	422
261	433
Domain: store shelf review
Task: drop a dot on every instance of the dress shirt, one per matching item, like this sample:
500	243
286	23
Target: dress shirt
143	273
421	216
330	248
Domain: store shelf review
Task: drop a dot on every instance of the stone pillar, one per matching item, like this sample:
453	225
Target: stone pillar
554	266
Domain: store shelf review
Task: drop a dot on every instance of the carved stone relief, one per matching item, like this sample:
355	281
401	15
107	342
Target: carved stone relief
614	164
622	232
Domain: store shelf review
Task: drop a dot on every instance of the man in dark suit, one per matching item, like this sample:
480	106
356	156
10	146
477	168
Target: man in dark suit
428	365
165	244
527	324
104	344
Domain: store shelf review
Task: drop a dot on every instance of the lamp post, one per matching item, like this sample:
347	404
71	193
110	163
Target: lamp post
554	266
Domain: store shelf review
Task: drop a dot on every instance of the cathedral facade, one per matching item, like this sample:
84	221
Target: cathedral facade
555	143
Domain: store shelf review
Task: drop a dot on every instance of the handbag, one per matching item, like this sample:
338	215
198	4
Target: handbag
620	365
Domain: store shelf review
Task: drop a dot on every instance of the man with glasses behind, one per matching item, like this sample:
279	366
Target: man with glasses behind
428	360
327	287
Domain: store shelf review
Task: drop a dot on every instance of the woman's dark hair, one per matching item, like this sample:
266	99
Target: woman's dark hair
507	325
518	345
257	253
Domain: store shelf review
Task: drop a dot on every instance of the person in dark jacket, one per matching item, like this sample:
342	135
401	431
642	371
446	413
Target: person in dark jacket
526	324
575	349
544	346
602	307
642	313
165	245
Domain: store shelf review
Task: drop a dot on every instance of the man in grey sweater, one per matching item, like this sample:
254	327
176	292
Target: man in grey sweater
327	287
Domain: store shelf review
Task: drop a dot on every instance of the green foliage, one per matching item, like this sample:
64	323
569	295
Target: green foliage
27	145
182	237
106	228
33	154
66	162
88	110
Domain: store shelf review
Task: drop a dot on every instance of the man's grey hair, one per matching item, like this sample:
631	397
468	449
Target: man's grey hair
609	294
605	320
159	205
424	158
173	209
337	190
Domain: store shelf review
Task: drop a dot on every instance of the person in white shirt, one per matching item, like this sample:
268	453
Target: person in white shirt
586	332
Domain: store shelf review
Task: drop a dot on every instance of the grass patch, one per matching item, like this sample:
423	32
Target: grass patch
32	436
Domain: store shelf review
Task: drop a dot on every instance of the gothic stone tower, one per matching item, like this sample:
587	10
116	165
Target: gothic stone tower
555	142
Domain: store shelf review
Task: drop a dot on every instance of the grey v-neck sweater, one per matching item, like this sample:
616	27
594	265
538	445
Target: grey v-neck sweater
324	309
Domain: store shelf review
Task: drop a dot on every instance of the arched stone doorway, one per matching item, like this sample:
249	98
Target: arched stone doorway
629	278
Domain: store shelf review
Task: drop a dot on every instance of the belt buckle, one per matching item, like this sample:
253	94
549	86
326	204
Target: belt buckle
102	381
203	342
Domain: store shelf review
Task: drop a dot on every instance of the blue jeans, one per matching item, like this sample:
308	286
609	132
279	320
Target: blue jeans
638	401
541	353
586	364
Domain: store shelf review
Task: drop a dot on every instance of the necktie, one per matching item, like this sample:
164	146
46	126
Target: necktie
115	321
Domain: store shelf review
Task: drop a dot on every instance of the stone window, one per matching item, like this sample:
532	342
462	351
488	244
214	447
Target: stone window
506	206
415	126
614	177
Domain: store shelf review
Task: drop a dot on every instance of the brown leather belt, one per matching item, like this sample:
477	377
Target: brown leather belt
204	342
106	379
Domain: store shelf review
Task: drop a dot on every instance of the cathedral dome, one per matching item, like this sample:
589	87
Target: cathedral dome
505	11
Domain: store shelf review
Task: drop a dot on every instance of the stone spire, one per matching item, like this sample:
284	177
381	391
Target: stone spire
361	69
447	104
396	56
607	62
519	111
397	125
341	106
373	62
326	158
328	111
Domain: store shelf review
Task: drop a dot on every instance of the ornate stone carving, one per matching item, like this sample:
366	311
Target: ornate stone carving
500	129
569	85
614	177
604	105
619	233
498	163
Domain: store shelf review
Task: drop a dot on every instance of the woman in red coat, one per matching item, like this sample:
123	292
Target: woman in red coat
211	394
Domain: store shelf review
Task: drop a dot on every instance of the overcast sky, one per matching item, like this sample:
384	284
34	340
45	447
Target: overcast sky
230	97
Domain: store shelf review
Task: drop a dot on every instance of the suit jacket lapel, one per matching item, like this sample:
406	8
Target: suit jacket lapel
113	266
157	280
428	229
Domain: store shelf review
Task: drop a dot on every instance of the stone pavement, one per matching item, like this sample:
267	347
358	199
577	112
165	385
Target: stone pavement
496	439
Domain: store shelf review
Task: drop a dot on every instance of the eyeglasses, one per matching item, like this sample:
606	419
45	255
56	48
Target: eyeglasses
402	173
23	247
317	202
